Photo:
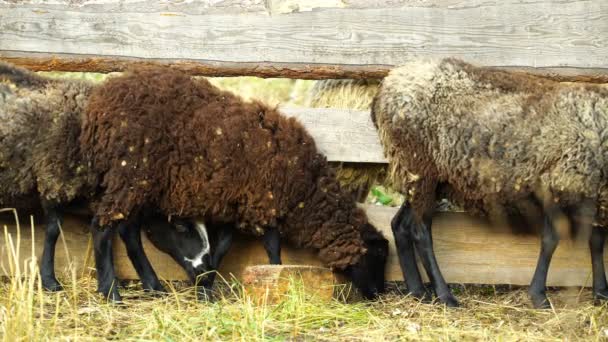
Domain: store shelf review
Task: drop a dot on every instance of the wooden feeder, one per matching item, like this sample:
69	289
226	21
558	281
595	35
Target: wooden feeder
270	283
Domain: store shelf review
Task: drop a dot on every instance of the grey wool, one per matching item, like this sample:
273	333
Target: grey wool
488	138
39	150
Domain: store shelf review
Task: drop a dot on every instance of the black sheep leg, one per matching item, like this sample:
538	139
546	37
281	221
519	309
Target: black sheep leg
421	232
130	233
272	244
224	241
47	264
107	284
549	241
406	253
596	246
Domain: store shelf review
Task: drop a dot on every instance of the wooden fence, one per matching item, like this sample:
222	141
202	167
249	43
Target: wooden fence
562	39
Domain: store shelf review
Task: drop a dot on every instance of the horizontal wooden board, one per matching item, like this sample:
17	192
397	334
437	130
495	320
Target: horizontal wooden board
341	134
302	36
467	249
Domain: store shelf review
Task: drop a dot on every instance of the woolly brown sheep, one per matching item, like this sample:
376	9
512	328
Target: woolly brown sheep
491	140
164	139
41	163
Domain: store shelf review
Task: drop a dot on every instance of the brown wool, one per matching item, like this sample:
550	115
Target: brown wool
253	165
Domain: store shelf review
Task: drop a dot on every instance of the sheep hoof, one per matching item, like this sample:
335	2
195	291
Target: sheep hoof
600	297
52	285
156	293
422	295
112	296
539	300
449	300
155	290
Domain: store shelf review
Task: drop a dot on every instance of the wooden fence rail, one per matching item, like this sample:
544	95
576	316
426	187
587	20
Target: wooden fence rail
306	39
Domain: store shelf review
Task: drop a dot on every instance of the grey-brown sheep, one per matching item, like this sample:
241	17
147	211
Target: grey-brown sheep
492	140
41	162
164	139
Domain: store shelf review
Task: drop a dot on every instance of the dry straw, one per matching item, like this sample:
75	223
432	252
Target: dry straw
79	313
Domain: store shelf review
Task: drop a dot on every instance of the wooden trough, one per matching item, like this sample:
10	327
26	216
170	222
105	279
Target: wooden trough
561	39
271	283
467	250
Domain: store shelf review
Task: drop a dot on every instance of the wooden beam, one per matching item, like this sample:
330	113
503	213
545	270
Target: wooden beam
341	134
306	39
92	63
468	250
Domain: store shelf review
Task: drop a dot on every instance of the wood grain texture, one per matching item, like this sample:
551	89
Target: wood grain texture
550	34
342	135
467	249
271	283
84	63
90	63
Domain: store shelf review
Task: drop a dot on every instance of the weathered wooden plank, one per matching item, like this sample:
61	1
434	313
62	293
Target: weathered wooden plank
550	34
90	63
341	134
467	249
271	7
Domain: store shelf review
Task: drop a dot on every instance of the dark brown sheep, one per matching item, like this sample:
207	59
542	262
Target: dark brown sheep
493	140
164	139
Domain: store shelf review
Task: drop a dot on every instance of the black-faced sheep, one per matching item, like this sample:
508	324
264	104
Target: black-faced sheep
41	164
164	139
490	140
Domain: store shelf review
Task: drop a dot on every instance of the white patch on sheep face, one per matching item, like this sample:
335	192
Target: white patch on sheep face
202	232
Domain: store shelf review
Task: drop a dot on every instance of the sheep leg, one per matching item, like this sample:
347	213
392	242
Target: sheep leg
272	244
405	251
224	241
549	241
130	233
47	264
596	246
107	284
421	232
